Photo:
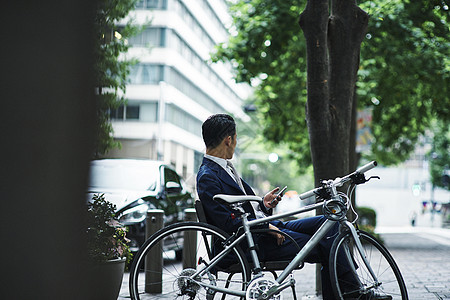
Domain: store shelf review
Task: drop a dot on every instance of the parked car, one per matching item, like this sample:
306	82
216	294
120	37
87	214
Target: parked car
135	186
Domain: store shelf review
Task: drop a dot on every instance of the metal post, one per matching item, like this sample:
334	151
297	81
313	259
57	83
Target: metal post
190	241
154	259
161	120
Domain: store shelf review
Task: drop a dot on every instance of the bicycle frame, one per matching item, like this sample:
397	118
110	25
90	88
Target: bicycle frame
301	255
326	226
247	234
298	259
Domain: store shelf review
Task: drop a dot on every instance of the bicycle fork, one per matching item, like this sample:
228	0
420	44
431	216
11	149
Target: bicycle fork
360	249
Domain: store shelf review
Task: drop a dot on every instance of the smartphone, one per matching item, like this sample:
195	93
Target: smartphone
280	193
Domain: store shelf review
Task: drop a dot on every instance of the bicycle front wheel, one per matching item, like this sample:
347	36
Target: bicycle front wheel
389	280
164	266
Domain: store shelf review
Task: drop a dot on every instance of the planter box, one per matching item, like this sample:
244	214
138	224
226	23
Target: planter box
105	279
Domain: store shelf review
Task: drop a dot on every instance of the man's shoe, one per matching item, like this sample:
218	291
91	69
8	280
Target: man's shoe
375	296
371	295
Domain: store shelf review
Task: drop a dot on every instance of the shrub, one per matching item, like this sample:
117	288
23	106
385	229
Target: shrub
367	216
368	221
106	237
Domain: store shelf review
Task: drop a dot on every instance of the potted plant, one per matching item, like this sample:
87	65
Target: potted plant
107	249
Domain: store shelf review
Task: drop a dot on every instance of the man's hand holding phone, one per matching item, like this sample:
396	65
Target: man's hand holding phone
273	197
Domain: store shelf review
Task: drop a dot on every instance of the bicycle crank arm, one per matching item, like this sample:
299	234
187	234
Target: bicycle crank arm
221	290
277	289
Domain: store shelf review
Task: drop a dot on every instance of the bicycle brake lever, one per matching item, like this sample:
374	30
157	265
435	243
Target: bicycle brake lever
359	178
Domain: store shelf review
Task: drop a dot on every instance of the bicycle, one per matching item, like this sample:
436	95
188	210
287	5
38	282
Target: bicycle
220	267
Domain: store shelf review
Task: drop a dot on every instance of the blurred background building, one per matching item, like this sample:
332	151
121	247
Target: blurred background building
405	196
174	88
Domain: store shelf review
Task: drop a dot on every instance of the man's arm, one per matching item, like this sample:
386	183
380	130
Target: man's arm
217	214
220	215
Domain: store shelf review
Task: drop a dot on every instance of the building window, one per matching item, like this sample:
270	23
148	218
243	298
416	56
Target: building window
184	85
145	74
132	112
117	114
153	74
177	43
149	112
149	37
180	118
151	4
192	23
123	113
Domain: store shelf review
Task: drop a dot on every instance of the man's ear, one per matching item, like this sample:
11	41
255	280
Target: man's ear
227	140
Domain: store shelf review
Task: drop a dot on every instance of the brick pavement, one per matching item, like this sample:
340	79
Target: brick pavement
423	257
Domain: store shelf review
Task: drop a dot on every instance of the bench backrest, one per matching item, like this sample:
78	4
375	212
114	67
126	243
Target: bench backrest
200	212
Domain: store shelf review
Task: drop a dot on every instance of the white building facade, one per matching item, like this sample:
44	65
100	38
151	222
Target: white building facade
174	87
405	194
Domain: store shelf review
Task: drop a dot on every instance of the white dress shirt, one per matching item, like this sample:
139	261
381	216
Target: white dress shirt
221	162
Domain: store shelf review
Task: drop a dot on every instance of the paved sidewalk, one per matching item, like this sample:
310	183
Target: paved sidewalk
422	254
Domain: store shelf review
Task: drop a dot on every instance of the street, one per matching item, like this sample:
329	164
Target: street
422	254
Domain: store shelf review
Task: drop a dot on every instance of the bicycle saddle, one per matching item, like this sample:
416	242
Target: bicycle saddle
231	199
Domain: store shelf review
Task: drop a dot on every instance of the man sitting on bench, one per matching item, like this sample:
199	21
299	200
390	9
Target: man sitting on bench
218	176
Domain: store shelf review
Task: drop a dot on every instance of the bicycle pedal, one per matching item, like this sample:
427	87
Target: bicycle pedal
210	294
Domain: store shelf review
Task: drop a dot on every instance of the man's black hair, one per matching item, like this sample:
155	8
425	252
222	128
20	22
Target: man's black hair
216	128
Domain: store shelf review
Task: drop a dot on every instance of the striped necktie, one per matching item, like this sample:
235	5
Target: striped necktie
236	176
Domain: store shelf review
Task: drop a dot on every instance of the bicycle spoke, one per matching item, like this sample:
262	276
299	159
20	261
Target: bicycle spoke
388	278
173	280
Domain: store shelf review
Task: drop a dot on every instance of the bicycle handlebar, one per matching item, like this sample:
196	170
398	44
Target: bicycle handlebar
308	194
339	181
367	167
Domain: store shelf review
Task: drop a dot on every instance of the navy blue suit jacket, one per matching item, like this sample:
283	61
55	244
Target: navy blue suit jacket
212	179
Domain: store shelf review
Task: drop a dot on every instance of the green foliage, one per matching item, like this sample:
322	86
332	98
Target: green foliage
439	155
368	221
111	73
404	68
258	171
106	237
268	52
367	216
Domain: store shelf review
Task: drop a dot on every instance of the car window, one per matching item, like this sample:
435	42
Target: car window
123	177
171	176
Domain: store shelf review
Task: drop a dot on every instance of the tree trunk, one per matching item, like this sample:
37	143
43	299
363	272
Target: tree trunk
314	23
333	41
333	46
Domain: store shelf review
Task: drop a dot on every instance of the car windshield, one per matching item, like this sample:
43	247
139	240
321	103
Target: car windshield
122	176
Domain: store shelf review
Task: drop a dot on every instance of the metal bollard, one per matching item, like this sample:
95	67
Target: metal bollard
190	241
154	259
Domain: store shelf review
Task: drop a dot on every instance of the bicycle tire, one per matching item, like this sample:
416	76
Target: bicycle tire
170	282
389	276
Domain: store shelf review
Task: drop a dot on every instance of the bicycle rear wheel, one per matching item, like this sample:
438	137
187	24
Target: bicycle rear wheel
390	280
162	267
